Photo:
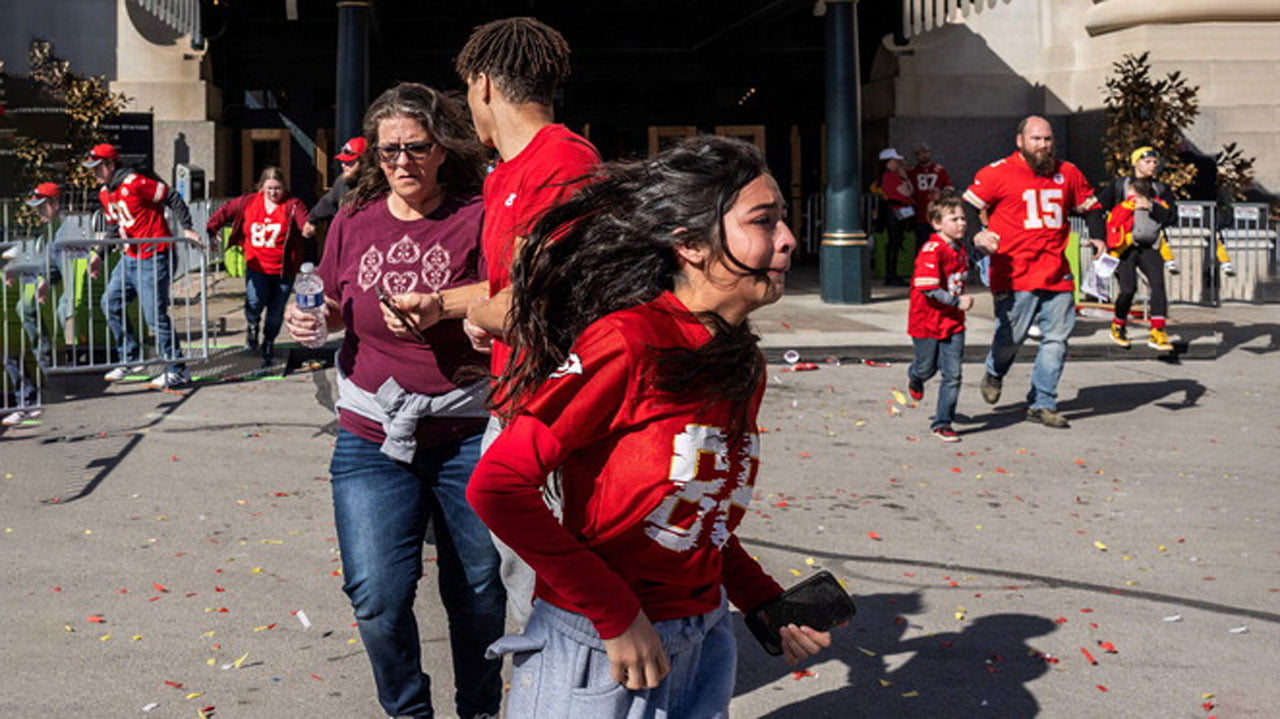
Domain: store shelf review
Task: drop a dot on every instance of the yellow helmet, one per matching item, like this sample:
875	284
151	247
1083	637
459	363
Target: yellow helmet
1141	153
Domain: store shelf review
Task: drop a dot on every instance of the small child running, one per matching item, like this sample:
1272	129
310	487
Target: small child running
935	320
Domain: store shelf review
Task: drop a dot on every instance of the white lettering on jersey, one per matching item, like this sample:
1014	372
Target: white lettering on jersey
511	200
926	181
571	365
1044	209
264	234
700	507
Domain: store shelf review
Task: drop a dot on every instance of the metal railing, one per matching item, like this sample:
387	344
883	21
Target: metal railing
182	16
1249	244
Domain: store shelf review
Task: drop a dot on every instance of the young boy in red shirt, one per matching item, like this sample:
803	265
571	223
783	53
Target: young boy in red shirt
936	318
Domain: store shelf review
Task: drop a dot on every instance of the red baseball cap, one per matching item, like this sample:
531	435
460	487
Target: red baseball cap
44	191
100	153
352	150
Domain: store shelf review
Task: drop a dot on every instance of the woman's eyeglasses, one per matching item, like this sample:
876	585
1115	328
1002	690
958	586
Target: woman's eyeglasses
413	150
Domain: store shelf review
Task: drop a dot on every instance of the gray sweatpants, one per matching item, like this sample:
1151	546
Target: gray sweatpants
560	669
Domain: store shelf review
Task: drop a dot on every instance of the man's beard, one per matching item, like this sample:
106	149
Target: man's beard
1042	164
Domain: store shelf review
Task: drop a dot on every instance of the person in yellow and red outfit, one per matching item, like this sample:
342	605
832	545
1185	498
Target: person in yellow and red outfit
1133	237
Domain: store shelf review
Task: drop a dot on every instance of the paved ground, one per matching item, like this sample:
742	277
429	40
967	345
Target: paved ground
195	526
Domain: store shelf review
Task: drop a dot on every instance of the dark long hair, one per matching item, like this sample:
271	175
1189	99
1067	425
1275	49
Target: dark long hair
612	246
445	118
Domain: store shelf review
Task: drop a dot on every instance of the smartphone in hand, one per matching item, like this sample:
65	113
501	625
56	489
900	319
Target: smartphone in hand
399	313
818	602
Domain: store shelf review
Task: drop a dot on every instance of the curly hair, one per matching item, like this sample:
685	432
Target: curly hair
445	118
524	57
613	246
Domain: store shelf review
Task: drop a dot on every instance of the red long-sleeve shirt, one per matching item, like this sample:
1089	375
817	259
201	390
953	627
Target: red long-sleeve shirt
654	484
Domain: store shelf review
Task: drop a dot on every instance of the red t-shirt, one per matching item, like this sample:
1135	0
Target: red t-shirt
939	265
265	235
518	191
890	181
137	207
372	248
654	484
924	180
1029	213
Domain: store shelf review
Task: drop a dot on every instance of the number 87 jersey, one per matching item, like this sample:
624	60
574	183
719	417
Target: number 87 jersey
1029	213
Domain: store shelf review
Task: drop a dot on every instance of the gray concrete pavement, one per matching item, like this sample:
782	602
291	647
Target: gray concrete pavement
997	560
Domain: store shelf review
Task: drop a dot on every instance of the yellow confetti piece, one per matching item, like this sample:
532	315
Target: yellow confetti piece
272	541
88	531
885	683
796	572
859	423
257	570
843	584
68	627
978	527
810	561
211	661
1100	545
960	612
105	637
901	398
1206	696
352	641
910	695
868	652
194	695
208	633
1130	582
240	661
262	628
136	638
161	518
1161	548
8	530
1127	558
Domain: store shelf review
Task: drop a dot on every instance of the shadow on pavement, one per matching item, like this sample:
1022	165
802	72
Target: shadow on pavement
1095	401
981	669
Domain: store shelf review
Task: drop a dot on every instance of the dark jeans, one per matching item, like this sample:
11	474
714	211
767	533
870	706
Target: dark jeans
895	229
1147	259
265	291
934	355
382	508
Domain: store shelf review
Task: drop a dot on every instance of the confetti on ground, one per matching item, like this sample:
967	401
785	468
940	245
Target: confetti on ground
1101	547
302	617
802	673
1173	618
1108	647
150	707
874	536
1088	657
1102	688
1239	630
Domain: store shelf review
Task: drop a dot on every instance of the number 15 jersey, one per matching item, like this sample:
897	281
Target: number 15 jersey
1029	212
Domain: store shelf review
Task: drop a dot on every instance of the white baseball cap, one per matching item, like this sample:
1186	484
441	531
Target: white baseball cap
890	154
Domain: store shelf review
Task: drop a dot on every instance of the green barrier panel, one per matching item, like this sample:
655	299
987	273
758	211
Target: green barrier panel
906	256
233	257
1073	257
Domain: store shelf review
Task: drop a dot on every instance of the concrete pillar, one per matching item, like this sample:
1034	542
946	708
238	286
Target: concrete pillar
845	257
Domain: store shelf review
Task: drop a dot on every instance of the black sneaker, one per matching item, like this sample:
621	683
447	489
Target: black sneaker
915	388
946	434
991	386
1048	418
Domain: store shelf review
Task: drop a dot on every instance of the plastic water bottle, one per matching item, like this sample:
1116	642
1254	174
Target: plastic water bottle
308	291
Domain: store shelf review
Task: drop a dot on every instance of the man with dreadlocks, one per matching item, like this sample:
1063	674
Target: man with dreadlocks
511	68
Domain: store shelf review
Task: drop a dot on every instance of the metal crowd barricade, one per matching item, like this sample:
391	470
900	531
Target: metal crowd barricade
1191	238
1250	241
21	329
1085	257
131	293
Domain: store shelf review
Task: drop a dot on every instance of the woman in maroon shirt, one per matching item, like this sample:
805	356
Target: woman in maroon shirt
411	406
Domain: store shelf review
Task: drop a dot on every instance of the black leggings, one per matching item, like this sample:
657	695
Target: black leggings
896	230
1152	265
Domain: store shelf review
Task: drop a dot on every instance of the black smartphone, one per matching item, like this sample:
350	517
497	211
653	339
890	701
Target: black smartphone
819	602
399	313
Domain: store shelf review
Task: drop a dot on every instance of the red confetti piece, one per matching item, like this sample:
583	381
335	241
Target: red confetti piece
159	587
1207	706
174	458
122	591
801	674
1060	620
96	619
1088	656
218	589
59	589
1080	462
1108	647
956	470
282	494
1101	688
874	536
781	504
1086	610
946	645
316	677
908	574
1001	470
805	455
175	685
207	709
153	599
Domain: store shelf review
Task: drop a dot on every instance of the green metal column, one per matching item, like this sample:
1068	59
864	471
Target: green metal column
845	257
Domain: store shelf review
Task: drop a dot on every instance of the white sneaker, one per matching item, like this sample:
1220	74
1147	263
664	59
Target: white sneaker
1172	267
14	419
1228	269
1033	332
119	374
170	378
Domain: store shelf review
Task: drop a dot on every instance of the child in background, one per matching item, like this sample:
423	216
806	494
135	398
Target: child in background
935	320
1133	237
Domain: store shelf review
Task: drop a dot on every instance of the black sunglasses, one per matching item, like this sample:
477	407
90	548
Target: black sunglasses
414	151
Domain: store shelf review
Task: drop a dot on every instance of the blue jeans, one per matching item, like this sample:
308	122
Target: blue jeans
147	281
1054	313
265	291
382	508
934	355
41	346
560	669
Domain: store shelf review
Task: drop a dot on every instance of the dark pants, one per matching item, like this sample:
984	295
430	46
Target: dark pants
270	292
924	231
382	508
897	230
946	356
1152	265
